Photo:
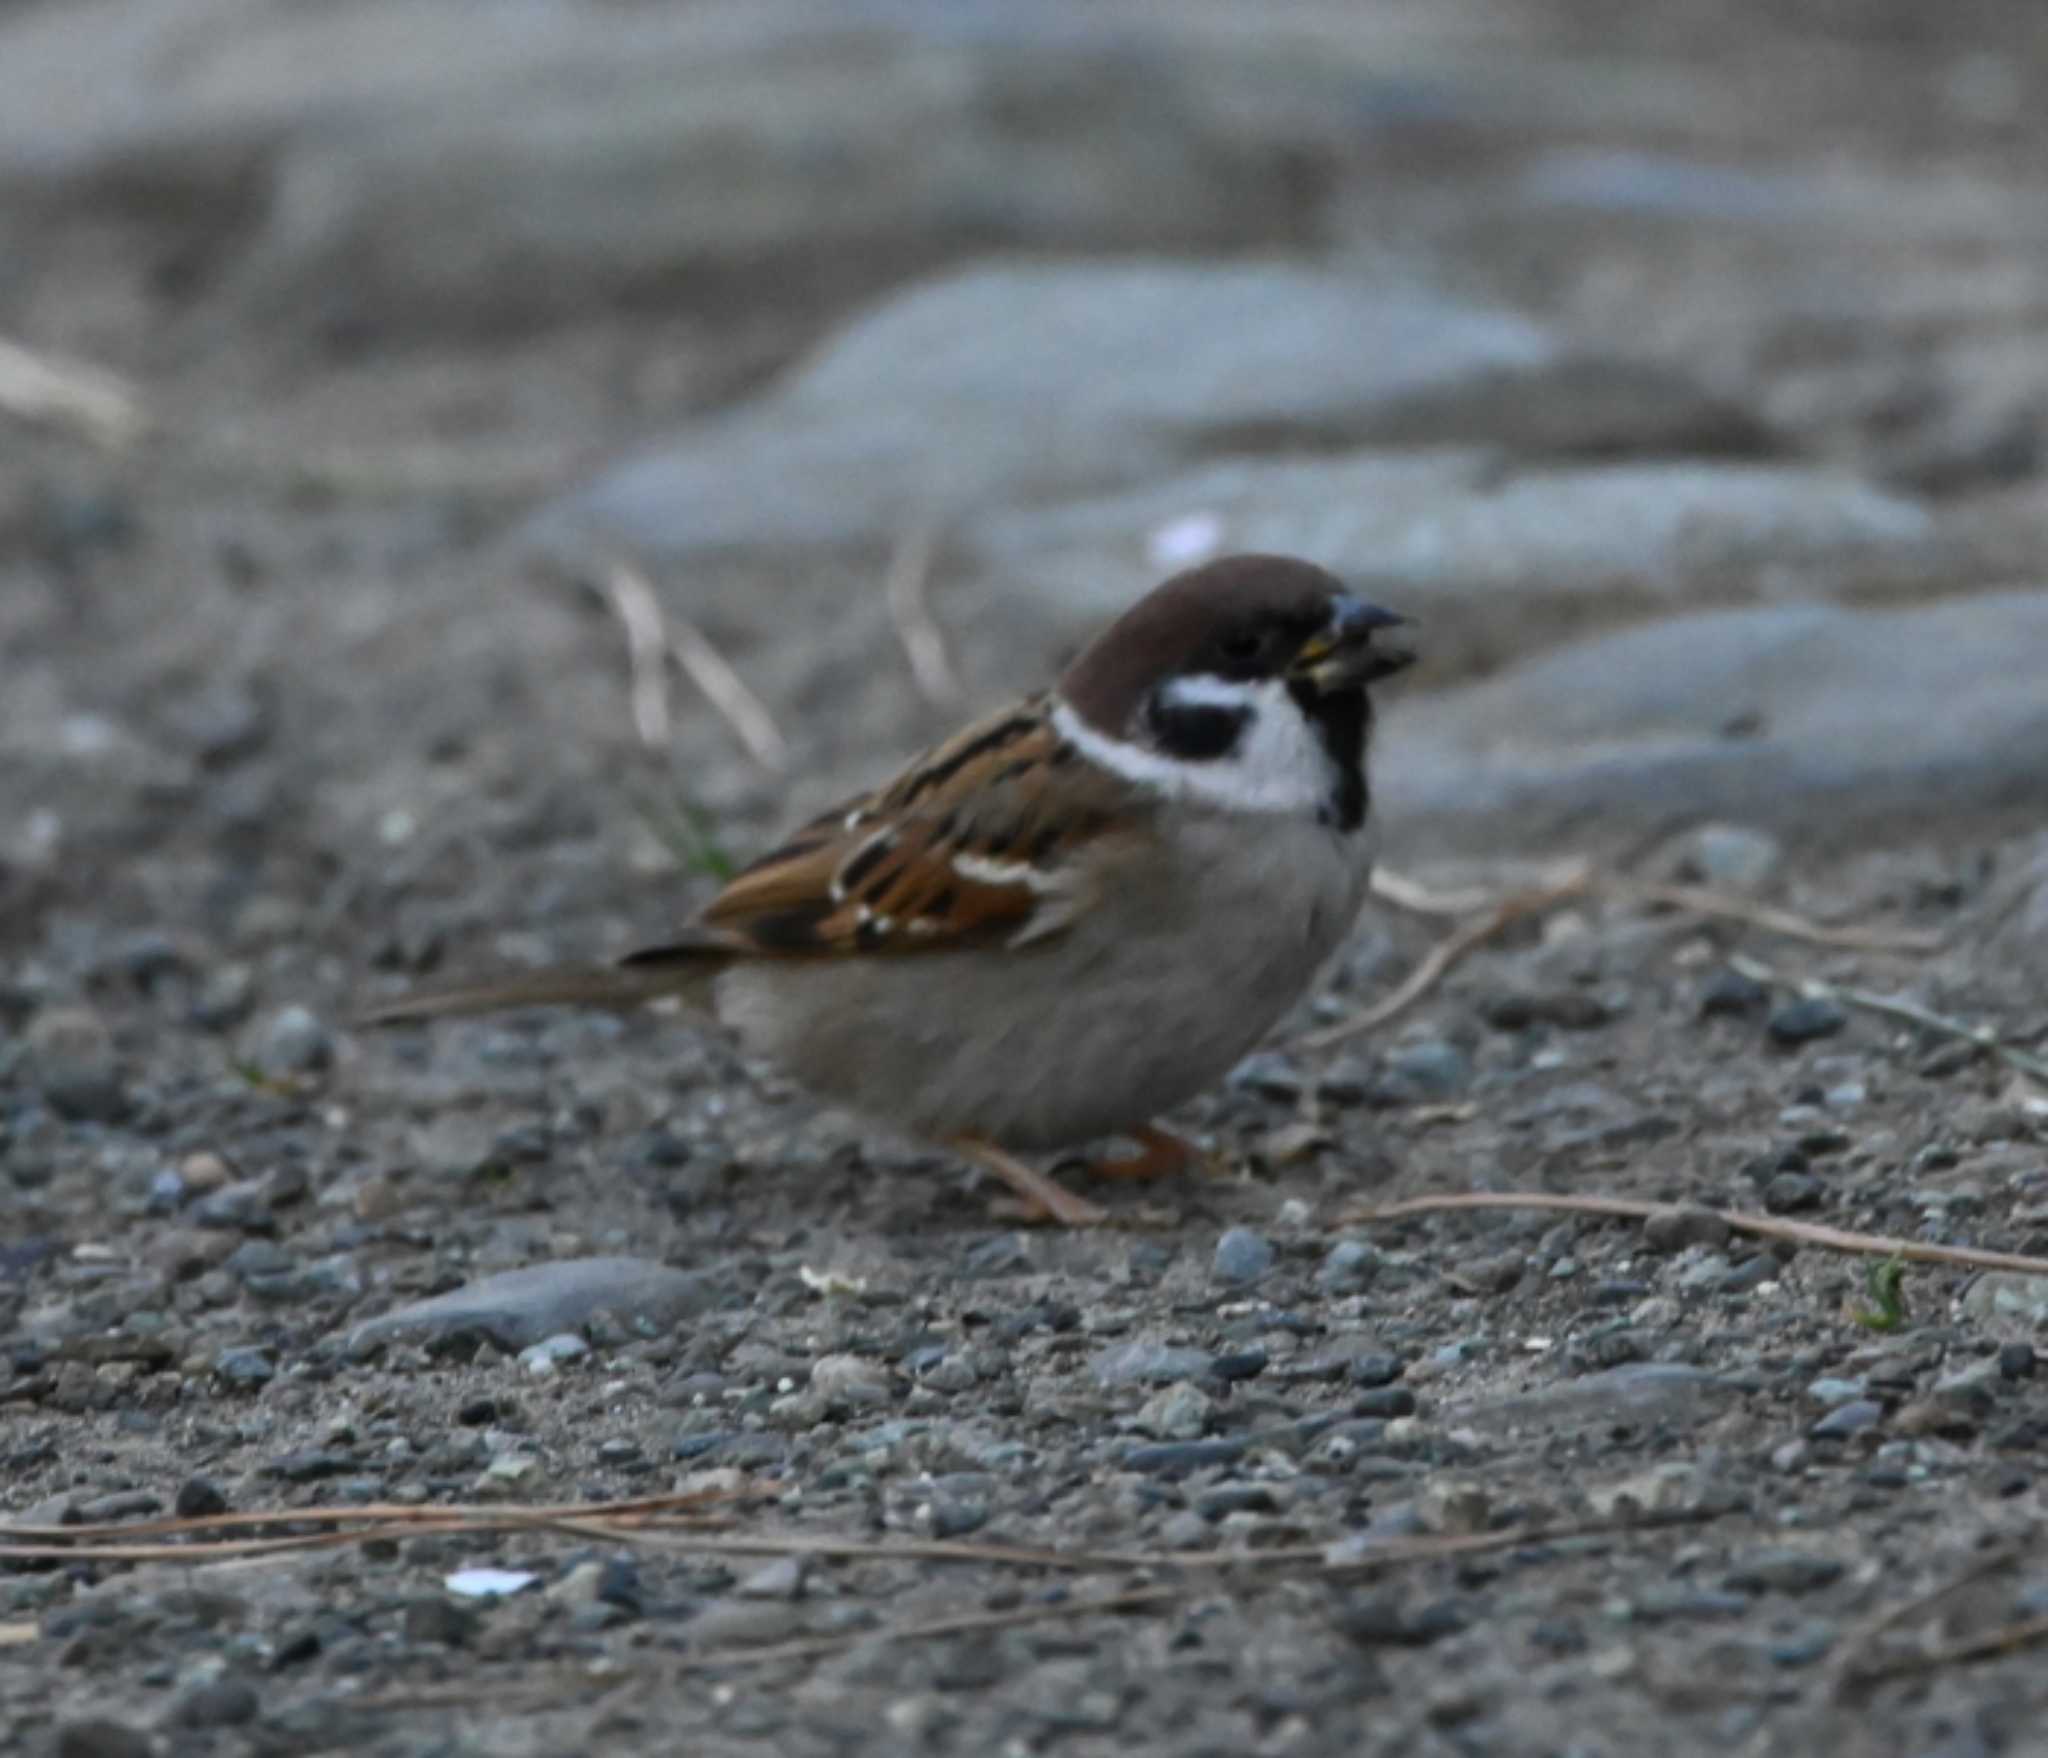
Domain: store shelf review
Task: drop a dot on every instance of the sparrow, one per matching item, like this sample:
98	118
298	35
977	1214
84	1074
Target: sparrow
1074	914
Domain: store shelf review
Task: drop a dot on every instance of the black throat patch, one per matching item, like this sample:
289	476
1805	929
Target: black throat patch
1341	719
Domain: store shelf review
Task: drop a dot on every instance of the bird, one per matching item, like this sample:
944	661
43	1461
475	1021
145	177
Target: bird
1073	915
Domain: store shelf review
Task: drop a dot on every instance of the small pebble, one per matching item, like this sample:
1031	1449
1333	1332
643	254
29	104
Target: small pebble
1804	1646
954	1513
1236	1498
1676	1228
1729	991
1801	1022
1848	1419
295	1042
547	1357
1178	1413
1784	1570
1270	1075
245	1365
1375	1370
122	1504
1789	1192
1574	1010
1427	1072
72	1055
1150	1364
1345	1082
242	1207
226	997
310	1465
1749	1275
1177	1458
200	1496
226	1702
843	1381
484	1583
1242	1255
784	1578
97	1737
434	1618
1348	1265
1734	857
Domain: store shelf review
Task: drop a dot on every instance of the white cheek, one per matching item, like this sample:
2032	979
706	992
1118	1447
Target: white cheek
1279	764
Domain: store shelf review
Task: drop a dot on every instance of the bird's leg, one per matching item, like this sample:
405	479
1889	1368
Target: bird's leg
1163	1153
1043	1200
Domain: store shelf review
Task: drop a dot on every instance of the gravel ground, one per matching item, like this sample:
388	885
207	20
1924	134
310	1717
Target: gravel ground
219	1229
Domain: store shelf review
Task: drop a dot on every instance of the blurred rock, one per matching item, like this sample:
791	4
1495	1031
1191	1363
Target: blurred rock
295	1041
523	1307
1242	1255
1491	564
1638	1392
1107	373
1736	857
2019	910
388	165
2000	1300
1810	718
72	1054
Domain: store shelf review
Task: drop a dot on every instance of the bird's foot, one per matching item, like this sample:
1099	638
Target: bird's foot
1161	1154
1038	1198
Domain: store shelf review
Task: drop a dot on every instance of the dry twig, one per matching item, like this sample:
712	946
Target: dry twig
1418	899
727	692
1897	1007
1701	900
649	633
1580	879
68	393
686	1522
1855	1669
1447	952
1738	1220
924	642
2006	1639
633	602
1201	1566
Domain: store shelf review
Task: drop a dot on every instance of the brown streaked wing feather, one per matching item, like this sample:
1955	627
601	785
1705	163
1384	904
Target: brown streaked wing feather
968	845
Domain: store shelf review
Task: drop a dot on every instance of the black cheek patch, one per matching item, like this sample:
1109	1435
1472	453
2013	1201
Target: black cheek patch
1197	732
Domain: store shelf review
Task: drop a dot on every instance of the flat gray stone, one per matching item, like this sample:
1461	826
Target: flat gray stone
1142	1363
1110	373
1636	1392
523	1307
2005	1301
389	162
1809	718
1491	563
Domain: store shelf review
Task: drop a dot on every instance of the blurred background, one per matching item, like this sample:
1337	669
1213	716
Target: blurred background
379	377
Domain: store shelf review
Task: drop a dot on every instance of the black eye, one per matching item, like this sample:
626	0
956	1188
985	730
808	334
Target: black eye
1241	646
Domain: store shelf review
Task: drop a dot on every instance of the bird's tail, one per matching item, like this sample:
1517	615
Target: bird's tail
617	987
